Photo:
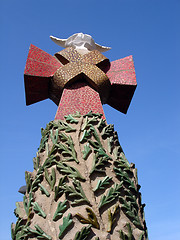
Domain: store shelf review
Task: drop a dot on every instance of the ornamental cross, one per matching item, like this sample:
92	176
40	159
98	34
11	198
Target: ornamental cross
79	78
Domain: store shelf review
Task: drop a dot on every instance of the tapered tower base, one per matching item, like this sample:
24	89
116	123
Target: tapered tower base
82	186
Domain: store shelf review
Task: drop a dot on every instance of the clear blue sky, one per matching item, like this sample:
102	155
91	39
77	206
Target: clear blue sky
149	133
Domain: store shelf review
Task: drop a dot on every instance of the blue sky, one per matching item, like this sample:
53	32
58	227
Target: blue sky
149	133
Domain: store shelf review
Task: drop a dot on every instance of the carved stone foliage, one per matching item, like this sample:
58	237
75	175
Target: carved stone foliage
82	186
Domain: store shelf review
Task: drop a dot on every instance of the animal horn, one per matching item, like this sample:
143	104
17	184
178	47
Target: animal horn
58	41
102	48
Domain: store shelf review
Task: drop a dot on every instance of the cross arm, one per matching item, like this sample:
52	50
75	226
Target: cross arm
123	83
40	68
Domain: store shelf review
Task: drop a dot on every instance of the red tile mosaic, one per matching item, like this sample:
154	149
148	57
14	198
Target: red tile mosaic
39	69
122	72
40	63
79	97
123	83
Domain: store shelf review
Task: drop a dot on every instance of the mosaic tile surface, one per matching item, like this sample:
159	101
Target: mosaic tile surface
123	83
39	69
122	72
79	97
46	76
40	63
76	65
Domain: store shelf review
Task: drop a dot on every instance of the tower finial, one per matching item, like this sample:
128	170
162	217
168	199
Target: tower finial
80	41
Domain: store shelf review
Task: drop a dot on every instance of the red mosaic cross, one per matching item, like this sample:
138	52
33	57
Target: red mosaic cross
83	91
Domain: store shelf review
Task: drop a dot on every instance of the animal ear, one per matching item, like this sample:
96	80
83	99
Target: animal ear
102	48
58	41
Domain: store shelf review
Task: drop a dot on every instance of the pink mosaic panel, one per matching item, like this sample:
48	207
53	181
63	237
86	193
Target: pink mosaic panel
79	97
40	63
122	72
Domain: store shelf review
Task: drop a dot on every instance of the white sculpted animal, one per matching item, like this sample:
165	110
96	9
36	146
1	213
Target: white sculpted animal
81	42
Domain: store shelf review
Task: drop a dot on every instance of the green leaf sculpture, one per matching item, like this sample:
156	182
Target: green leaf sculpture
117	152
124	167
45	136
36	162
27	204
123	160
112	217
88	122
62	206
130	198
51	153
59	190
108	131
103	183
54	137
63	126
111	195
37	180
110	144
83	234
67	149
71	171
85	136
49	162
38	232
130	212
96	136
38	210
101	153
87	150
71	119
92	219
124	236
44	190
43	142
101	124
17	229
76	192
100	160
28	180
67	221
50	178
123	176
94	144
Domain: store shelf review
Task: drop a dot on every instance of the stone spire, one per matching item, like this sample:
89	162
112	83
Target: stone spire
82	186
